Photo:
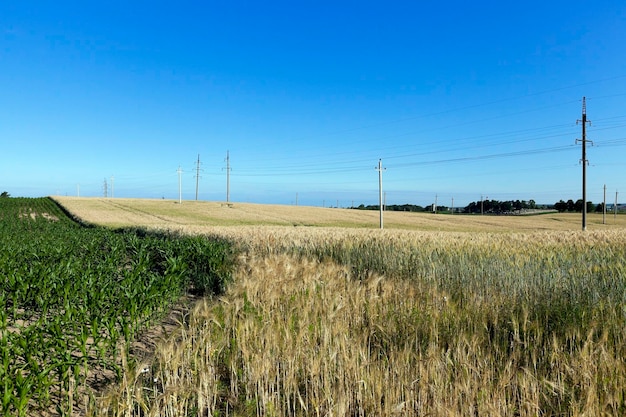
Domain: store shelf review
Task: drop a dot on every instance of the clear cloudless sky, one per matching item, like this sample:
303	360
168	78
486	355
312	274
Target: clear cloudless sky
459	99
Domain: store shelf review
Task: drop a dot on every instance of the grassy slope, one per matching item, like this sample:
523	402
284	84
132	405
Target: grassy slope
194	216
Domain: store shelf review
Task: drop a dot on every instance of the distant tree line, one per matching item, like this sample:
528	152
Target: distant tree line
401	207
577	207
499	207
494	207
488	206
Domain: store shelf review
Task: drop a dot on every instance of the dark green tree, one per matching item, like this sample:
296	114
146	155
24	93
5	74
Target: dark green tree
506	206
578	206
472	208
561	206
571	206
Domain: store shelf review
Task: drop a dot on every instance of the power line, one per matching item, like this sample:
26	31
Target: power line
472	106
479	120
357	168
489	156
407	158
452	143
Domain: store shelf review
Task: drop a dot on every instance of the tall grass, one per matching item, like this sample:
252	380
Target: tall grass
330	322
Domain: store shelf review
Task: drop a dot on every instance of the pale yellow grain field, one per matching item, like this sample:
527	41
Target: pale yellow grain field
202	216
436	315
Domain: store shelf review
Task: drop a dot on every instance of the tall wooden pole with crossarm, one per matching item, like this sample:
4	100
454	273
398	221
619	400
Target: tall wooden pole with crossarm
380	170
584	161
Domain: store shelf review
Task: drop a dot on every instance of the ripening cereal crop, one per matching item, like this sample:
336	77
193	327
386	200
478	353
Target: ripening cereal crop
321	321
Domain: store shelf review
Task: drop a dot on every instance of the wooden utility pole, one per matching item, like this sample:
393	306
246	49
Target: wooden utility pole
584	161
380	170
604	206
180	185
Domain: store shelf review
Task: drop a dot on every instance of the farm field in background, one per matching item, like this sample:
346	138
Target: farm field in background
202	216
435	315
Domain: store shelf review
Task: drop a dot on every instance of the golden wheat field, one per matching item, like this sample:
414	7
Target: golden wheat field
436	315
203	216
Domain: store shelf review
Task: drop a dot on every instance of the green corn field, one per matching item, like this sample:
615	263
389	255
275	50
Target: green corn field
73	298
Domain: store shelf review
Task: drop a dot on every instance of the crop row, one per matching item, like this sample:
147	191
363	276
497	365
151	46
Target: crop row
73	298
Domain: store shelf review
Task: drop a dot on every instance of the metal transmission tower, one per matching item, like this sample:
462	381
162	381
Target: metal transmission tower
584	161
197	175
228	168
380	170
105	188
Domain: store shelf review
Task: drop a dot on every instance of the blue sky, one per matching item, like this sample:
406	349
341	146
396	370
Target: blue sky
459	99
